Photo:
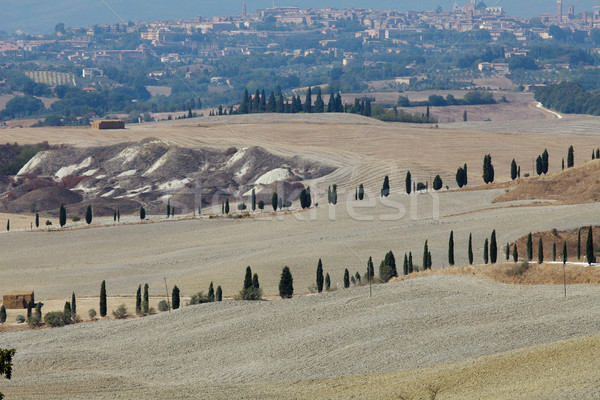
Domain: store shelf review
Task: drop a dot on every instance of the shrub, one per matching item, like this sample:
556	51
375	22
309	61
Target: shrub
519	270
286	284
76	218
92	314
198	298
120	312
20	319
48	222
54	319
163	306
34	321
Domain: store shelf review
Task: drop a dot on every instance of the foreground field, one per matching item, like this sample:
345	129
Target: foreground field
410	336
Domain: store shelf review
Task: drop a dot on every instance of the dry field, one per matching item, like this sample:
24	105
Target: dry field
469	338
414	335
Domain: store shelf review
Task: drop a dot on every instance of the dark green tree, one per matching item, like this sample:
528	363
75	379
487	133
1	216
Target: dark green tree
319	104
248	278
2	314
346	278
255	283
8	226
286	284
308	101
253	200
437	183
571	157
488	169
460	177
175	297
73	305
361	192
67	313
30	308
115	216
425	256
466	177
88	215
529	247
320	276
451	249
272	103
37	220
407	182
261	205
331	103
405	265
563	164
493	248
138	300
470	249
545	161
579	244
370	269
387	268
485	252
539	165
411	268
515	253
274	201
589	248
219	294
385	190
507	251
142	213
327	282
227	206
146	301
62	217
6	356
168	208
540	251
103	299
118	215
513	170
211	293
564	252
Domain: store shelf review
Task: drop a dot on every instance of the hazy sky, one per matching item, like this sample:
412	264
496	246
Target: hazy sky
42	15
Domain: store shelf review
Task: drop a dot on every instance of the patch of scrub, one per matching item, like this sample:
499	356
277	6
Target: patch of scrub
69	170
278	174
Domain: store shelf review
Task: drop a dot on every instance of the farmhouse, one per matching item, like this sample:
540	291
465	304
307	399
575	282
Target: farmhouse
110	124
17	299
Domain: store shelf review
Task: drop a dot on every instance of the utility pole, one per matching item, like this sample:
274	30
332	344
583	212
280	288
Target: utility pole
167	291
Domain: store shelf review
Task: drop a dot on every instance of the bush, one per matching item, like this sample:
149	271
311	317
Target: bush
76	218
54	319
34	321
92	314
163	306
199	298
120	312
48	222
20	319
251	293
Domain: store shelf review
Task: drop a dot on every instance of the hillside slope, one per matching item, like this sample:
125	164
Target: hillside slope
215	350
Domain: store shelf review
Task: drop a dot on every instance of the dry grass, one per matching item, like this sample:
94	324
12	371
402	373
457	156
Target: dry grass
515	274
573	186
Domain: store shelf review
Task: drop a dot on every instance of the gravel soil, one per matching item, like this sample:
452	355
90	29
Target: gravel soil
214	350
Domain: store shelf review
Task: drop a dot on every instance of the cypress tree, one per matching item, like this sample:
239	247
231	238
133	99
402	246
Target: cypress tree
274	201
286	284
460	177
263	101
529	247
540	251
67	313
118	215
138	300
255	283
564	252
320	276
407	182
387	268
142	213
493	248
2	314
8	226
563	164
175	298
515	253
331	103
545	161
272	103
346	278
513	170
507	251
488	169
361	192
37	220
115	216
308	102
355	193
466	176
451	249
146	301
211	293
425	256
385	190
597	153
253	200
554	251
227	206
539	165
579	244
319	104
219	293
103	299
62	218
437	183
589	248
38	310
168	208
470	249
405	266
370	269
571	157
248	278
410	263
429	261
88	215
339	106
329	195
485	252
30	308
327	282
280	106
73	305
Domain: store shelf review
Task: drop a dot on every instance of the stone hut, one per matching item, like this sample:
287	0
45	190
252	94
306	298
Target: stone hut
17	299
